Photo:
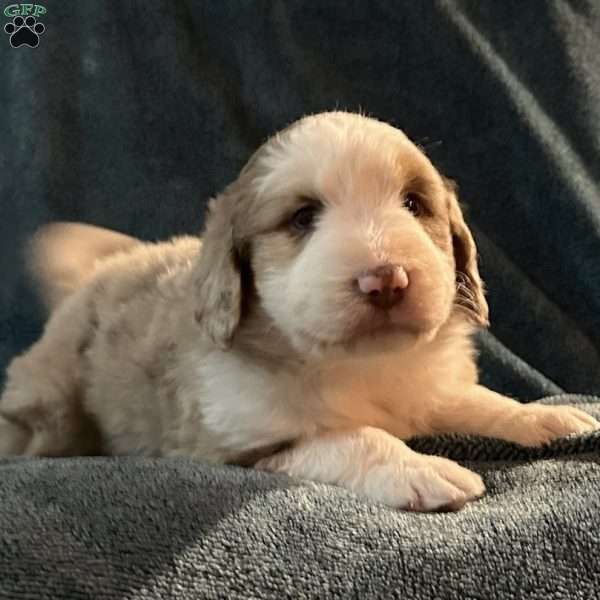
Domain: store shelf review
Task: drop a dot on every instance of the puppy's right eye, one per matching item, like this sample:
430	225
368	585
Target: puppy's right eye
304	218
414	204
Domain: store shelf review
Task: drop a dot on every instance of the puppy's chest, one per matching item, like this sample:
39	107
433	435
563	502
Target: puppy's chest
391	392
249	406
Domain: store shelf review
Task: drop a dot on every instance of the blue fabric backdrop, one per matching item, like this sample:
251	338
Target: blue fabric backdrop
131	114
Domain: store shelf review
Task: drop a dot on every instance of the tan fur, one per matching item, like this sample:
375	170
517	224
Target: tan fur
61	256
257	344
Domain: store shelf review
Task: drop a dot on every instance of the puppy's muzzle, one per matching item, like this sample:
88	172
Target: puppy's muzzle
384	286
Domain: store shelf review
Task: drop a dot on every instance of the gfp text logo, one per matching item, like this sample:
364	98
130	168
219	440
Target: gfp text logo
25	29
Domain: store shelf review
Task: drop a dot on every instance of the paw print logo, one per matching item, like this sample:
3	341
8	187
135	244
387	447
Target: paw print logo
24	32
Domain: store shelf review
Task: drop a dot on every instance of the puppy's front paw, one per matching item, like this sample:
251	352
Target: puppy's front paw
376	465
423	483
536	424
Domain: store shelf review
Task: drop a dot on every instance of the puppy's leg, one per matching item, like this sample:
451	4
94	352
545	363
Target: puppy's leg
13	438
483	412
379	466
40	409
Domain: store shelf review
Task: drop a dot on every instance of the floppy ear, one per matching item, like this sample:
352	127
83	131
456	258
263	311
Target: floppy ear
470	293
217	277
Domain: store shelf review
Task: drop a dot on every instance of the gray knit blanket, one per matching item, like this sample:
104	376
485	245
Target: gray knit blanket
133	528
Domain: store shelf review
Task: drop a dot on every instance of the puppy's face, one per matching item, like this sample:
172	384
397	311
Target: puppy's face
349	232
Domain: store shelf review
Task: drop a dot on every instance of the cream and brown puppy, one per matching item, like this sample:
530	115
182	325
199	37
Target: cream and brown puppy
324	317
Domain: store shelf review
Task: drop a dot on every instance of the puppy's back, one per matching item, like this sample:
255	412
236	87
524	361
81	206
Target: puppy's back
106	351
62	257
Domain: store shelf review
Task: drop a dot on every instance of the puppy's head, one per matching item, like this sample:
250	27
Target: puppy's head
343	230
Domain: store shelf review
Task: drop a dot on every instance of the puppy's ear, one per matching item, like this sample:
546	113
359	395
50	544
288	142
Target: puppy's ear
469	287
217	277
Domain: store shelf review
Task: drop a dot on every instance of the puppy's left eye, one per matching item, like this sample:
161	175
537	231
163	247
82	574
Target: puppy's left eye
304	218
414	204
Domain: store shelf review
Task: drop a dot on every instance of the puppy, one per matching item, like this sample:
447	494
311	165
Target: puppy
325	316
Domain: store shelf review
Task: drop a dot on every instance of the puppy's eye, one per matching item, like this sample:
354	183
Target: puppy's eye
414	204
304	218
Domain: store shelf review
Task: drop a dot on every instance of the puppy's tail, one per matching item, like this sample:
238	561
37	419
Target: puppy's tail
61	257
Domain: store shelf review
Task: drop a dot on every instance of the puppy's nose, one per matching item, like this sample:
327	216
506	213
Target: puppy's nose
384	286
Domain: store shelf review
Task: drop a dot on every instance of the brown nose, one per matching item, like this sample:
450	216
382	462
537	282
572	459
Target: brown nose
383	286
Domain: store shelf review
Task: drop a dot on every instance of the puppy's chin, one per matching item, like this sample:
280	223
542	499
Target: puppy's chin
386	339
375	336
